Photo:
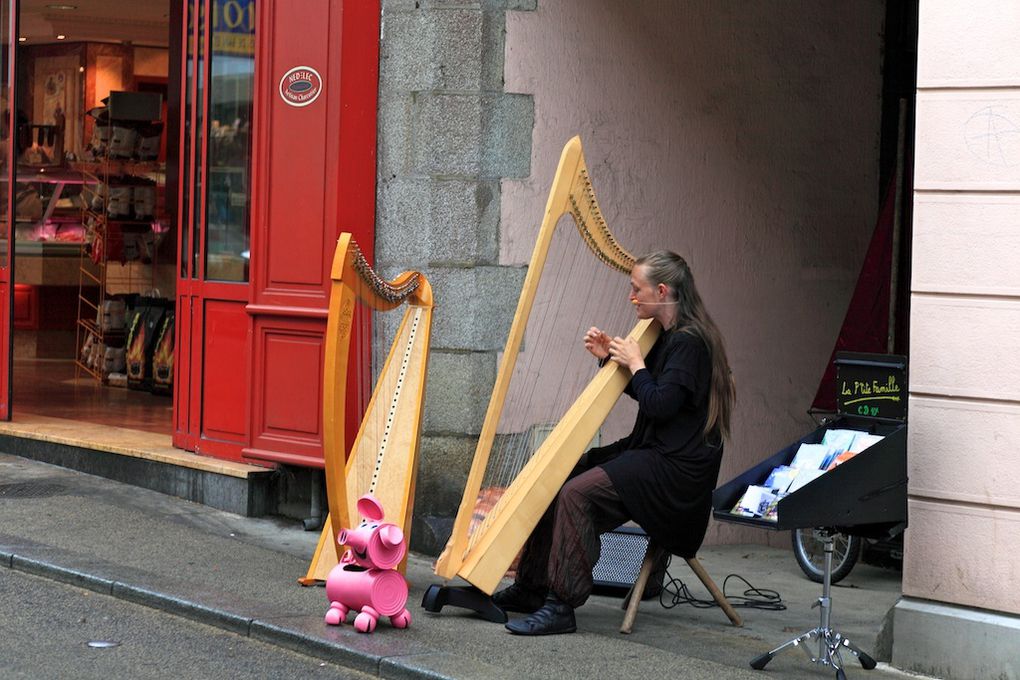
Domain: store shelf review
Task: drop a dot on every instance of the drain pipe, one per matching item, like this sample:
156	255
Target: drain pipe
314	523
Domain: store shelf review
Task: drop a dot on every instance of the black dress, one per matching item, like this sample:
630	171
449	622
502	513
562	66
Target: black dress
666	469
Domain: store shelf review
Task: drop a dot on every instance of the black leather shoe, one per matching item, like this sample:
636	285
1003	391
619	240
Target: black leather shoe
553	618
517	598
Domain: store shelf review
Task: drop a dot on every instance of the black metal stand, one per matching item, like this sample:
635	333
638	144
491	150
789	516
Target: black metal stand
467	597
830	642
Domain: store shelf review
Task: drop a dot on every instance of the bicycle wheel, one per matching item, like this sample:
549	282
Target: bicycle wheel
809	550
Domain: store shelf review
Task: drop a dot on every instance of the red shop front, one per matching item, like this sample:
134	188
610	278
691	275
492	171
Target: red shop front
267	154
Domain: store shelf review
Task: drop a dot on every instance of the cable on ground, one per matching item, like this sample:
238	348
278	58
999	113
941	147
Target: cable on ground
675	592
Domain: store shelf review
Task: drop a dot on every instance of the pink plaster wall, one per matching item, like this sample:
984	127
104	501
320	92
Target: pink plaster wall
964	501
742	135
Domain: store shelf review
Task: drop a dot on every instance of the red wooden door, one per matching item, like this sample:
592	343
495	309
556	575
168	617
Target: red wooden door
277	147
8	165
214	188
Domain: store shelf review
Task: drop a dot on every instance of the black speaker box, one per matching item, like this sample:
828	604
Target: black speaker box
623	550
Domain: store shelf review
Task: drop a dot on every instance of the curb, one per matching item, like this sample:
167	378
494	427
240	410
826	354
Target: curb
425	665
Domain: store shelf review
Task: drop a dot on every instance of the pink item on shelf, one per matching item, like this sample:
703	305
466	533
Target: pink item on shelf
366	580
70	233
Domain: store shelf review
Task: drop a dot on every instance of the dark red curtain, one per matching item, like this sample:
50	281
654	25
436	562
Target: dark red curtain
866	325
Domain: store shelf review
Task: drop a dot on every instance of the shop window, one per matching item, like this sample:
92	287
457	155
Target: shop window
220	69
228	198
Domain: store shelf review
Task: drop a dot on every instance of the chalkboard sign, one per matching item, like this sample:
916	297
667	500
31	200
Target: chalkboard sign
871	385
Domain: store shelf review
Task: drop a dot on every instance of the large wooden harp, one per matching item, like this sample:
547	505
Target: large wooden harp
481	549
384	456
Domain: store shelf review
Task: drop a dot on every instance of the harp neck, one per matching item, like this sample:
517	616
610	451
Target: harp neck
351	269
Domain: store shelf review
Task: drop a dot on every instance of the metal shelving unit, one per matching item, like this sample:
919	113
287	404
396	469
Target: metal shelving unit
100	279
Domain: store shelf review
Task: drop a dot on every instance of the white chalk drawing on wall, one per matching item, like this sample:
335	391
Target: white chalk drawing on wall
993	136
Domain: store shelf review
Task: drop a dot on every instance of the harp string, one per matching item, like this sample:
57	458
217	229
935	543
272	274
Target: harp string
377	427
521	424
374	325
527	401
516	430
544	383
527	443
371	424
365	372
375	331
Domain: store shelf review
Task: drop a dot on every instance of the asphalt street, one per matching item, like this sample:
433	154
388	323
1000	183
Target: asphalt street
53	630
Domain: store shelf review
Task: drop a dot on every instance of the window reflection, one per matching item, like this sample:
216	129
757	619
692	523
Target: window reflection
5	133
5	141
185	187
228	198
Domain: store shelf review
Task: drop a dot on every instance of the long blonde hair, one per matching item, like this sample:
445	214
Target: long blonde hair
667	267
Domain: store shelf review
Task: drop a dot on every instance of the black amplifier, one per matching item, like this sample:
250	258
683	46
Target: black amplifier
623	551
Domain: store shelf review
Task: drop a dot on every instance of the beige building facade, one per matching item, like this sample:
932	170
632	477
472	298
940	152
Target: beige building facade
959	614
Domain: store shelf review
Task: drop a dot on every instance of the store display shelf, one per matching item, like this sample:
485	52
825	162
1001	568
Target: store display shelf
123	247
87	275
93	328
82	366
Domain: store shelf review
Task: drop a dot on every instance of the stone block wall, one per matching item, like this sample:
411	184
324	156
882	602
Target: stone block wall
448	135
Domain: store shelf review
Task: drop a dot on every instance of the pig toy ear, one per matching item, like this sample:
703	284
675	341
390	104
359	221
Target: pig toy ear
370	508
391	534
386	547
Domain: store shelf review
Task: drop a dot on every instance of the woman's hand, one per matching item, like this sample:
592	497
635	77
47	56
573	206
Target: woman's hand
626	352
597	342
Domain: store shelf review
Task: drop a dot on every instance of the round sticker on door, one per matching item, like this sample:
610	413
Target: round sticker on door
300	86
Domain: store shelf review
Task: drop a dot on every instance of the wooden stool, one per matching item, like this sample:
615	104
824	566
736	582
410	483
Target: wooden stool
633	599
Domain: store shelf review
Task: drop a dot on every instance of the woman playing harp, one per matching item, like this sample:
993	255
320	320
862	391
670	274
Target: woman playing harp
661	475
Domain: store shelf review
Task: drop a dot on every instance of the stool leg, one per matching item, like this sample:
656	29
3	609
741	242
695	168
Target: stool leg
717	595
638	590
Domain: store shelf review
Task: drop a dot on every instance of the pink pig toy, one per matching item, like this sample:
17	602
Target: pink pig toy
365	579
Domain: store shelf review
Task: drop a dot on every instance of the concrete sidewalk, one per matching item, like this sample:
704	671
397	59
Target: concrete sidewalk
241	574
